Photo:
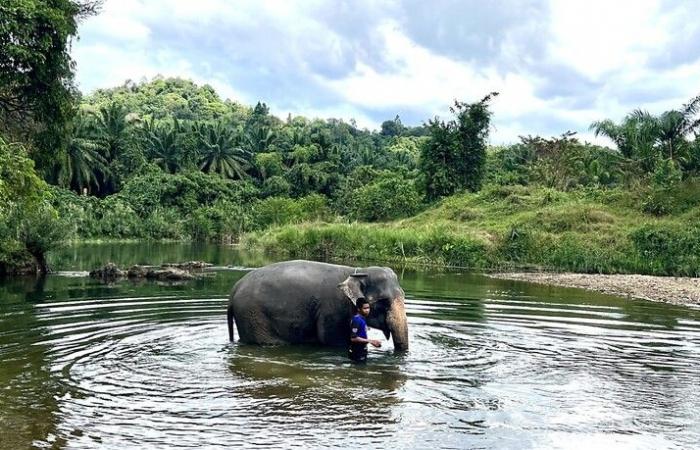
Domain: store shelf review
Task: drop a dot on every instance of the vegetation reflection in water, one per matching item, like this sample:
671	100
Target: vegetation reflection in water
492	364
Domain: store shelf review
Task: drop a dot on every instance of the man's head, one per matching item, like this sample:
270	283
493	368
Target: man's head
363	307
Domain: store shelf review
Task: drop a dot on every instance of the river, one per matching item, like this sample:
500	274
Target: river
492	364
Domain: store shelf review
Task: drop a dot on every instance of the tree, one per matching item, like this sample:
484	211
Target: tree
28	225
558	161
81	165
39	230
646	138
259	139
221	153
391	128
455	156
386	199
162	144
36	71
473	121
113	132
19	184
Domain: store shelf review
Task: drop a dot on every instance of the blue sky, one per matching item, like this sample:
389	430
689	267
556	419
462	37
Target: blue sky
558	65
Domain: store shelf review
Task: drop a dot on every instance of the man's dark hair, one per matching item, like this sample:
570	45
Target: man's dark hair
360	302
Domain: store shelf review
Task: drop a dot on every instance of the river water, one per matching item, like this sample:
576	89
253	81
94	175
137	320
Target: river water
492	364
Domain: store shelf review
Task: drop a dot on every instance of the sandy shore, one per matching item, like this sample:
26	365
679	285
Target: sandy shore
676	290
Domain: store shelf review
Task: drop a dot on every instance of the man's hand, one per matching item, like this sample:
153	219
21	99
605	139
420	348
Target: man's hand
375	343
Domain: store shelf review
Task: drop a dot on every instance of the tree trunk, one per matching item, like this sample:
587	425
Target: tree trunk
41	263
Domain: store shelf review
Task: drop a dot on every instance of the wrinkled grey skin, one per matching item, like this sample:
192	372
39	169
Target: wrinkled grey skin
306	302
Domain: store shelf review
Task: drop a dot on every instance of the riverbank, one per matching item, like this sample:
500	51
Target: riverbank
675	290
510	228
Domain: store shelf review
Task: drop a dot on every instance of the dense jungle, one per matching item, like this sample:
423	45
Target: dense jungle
167	159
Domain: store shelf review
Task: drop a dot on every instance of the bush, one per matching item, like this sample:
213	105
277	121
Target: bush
667	174
675	198
284	210
276	186
667	249
164	224
184	192
387	199
37	230
510	165
222	222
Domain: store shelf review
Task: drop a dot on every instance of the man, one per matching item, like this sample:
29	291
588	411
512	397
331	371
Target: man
358	333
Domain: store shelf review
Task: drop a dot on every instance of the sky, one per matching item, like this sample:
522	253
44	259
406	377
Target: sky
558	65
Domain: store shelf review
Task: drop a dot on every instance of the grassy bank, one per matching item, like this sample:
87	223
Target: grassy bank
595	231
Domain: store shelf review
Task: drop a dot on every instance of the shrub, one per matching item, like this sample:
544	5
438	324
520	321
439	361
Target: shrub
223	222
668	249
184	192
276	186
284	210
387	199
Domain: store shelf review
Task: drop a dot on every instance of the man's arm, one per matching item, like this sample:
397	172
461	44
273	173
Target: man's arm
355	339
361	340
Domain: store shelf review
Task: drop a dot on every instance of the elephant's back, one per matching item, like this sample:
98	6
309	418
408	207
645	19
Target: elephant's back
288	280
280	303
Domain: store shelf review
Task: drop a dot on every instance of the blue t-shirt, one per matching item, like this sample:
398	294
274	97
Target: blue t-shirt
358	327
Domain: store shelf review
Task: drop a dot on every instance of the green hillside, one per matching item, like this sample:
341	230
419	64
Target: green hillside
503	227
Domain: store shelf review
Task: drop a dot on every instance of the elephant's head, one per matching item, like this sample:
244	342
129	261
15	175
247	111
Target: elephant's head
380	286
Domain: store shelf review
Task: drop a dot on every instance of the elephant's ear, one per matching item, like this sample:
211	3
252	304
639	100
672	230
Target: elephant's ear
352	287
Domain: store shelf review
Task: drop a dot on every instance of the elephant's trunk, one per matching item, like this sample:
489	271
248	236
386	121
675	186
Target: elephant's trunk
398	324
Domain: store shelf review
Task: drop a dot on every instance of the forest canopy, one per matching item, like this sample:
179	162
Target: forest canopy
166	158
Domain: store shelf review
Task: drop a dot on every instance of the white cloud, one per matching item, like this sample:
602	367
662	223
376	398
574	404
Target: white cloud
598	36
589	60
127	64
418	78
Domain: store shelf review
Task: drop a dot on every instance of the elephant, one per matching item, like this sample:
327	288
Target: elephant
307	302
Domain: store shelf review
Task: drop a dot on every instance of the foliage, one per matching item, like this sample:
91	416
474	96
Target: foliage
170	98
276	186
222	221
37	93
167	159
669	250
20	186
647	138
675	198
387	199
587	230
667	174
163	145
82	166
281	210
455	156
29	227
39	230
184	192
559	162
220	152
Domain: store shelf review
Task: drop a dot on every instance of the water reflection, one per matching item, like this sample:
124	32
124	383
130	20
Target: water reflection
29	391
492	364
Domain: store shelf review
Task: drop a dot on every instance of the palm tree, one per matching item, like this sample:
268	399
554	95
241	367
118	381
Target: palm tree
82	165
220	152
643	136
674	126
259	138
163	144
634	136
113	128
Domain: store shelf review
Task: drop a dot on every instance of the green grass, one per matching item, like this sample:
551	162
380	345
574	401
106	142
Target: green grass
510	227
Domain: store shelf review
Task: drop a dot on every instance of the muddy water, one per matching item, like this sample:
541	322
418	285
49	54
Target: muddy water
492	364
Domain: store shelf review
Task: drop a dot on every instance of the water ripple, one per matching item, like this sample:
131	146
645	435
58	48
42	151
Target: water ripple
486	369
